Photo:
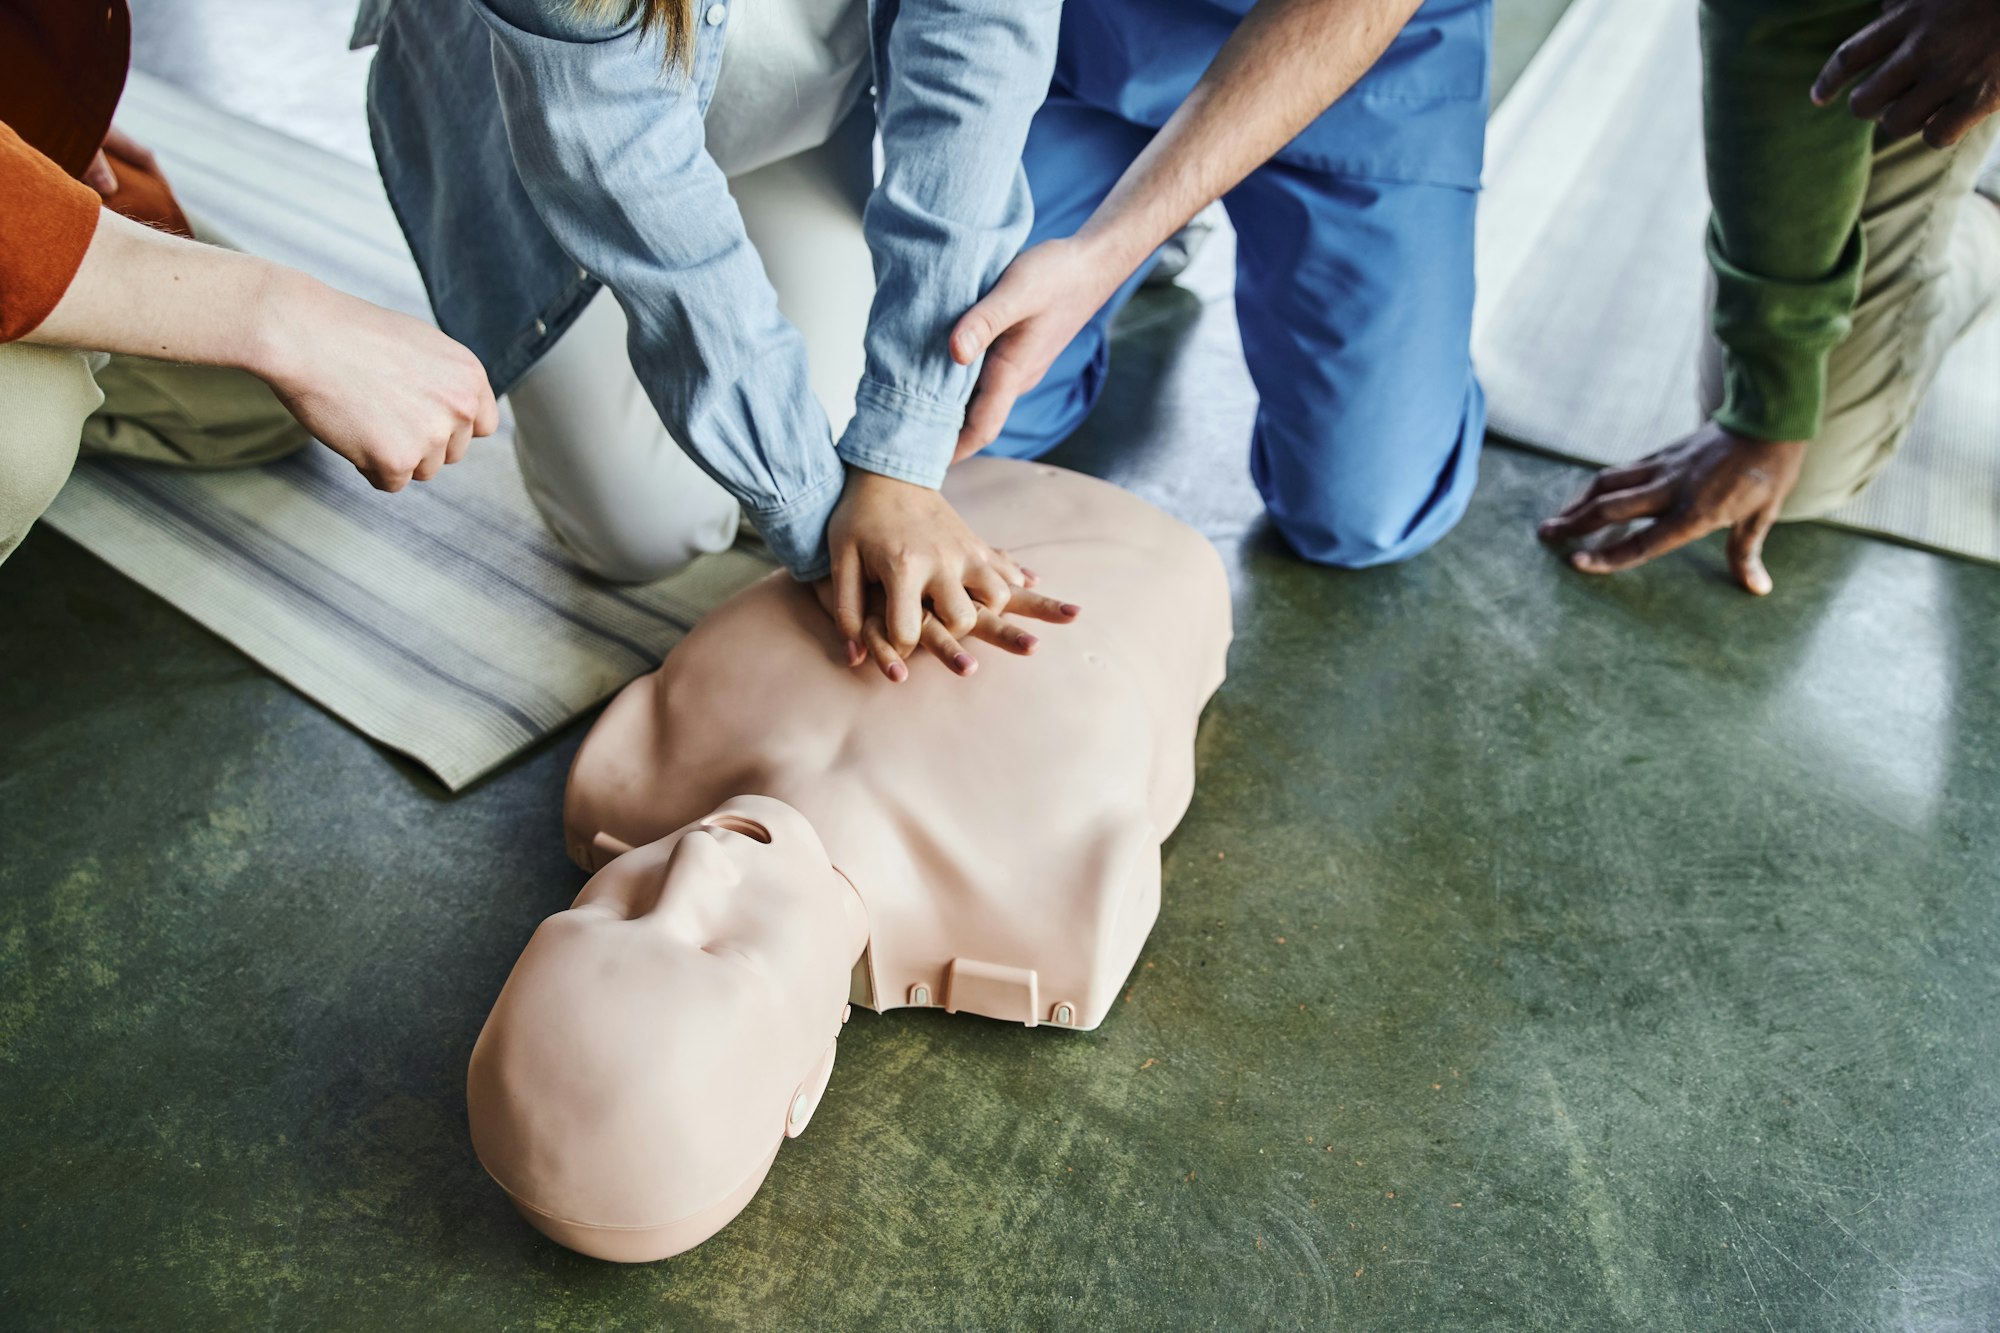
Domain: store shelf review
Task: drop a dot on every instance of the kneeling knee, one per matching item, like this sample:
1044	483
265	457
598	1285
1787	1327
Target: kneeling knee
623	560
631	566
1352	524
1341	505
48	393
1358	541
647	554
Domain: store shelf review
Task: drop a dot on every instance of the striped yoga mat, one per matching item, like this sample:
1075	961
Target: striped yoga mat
441	621
1592	298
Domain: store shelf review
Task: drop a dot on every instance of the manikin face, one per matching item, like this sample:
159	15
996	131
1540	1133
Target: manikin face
655	1041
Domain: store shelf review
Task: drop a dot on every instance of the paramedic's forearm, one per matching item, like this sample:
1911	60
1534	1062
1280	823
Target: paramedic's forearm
1287	62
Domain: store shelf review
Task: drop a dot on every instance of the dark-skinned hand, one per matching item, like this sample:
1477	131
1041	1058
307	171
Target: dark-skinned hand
1930	65
1711	479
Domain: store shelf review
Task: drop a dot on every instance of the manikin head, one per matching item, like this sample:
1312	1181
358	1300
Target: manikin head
658	1041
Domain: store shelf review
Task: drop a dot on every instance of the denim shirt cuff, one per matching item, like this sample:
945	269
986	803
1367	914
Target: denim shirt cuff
900	435
796	530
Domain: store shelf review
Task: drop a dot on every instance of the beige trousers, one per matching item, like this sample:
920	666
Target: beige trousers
55	403
1932	271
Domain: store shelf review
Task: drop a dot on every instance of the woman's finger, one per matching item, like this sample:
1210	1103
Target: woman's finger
988	587
903	608
849	599
1040	606
948	649
951	607
1010	568
886	657
1003	633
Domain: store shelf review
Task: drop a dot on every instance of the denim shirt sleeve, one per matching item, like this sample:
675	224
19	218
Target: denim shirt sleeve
607	140
957	83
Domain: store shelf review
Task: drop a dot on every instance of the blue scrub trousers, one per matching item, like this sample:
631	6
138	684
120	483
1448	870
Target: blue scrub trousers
1354	298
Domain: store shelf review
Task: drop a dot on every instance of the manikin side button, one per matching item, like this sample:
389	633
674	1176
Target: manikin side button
805	1100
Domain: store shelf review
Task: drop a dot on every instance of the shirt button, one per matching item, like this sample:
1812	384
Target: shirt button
716	13
541	328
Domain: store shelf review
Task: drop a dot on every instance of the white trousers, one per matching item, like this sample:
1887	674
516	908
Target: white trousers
621	495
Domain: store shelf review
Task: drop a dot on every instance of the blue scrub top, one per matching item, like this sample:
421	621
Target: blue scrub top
1418	116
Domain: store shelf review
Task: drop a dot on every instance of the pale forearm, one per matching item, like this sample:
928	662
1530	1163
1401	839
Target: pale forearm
1287	62
388	393
145	293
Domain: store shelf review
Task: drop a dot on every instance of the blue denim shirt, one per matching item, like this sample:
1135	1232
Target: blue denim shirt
531	155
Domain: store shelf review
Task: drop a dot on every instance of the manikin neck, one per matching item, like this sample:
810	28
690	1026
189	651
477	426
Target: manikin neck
860	984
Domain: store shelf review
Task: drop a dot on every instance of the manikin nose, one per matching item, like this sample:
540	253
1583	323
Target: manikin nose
701	856
696	886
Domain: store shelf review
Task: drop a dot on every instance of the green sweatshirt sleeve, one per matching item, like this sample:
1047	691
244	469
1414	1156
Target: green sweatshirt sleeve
1785	183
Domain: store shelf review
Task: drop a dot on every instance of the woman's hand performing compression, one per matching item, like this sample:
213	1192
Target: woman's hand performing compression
908	574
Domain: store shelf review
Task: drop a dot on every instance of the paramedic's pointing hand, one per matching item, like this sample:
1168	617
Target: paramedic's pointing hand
1285	64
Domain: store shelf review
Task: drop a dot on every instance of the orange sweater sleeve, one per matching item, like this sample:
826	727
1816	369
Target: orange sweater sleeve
46	222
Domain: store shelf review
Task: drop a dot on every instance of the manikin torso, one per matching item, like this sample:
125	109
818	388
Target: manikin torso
988	844
1011	819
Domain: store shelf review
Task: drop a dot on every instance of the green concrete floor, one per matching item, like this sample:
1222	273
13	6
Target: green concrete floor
1538	953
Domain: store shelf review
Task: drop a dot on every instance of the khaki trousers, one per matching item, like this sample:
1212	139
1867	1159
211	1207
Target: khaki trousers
1931	271
56	403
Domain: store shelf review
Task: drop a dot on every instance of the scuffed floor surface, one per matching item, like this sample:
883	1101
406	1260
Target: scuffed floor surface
1538	953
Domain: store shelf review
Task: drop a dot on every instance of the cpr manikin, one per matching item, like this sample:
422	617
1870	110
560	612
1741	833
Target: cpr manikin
775	835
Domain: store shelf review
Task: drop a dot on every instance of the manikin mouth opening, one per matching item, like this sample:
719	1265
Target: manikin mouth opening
749	828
